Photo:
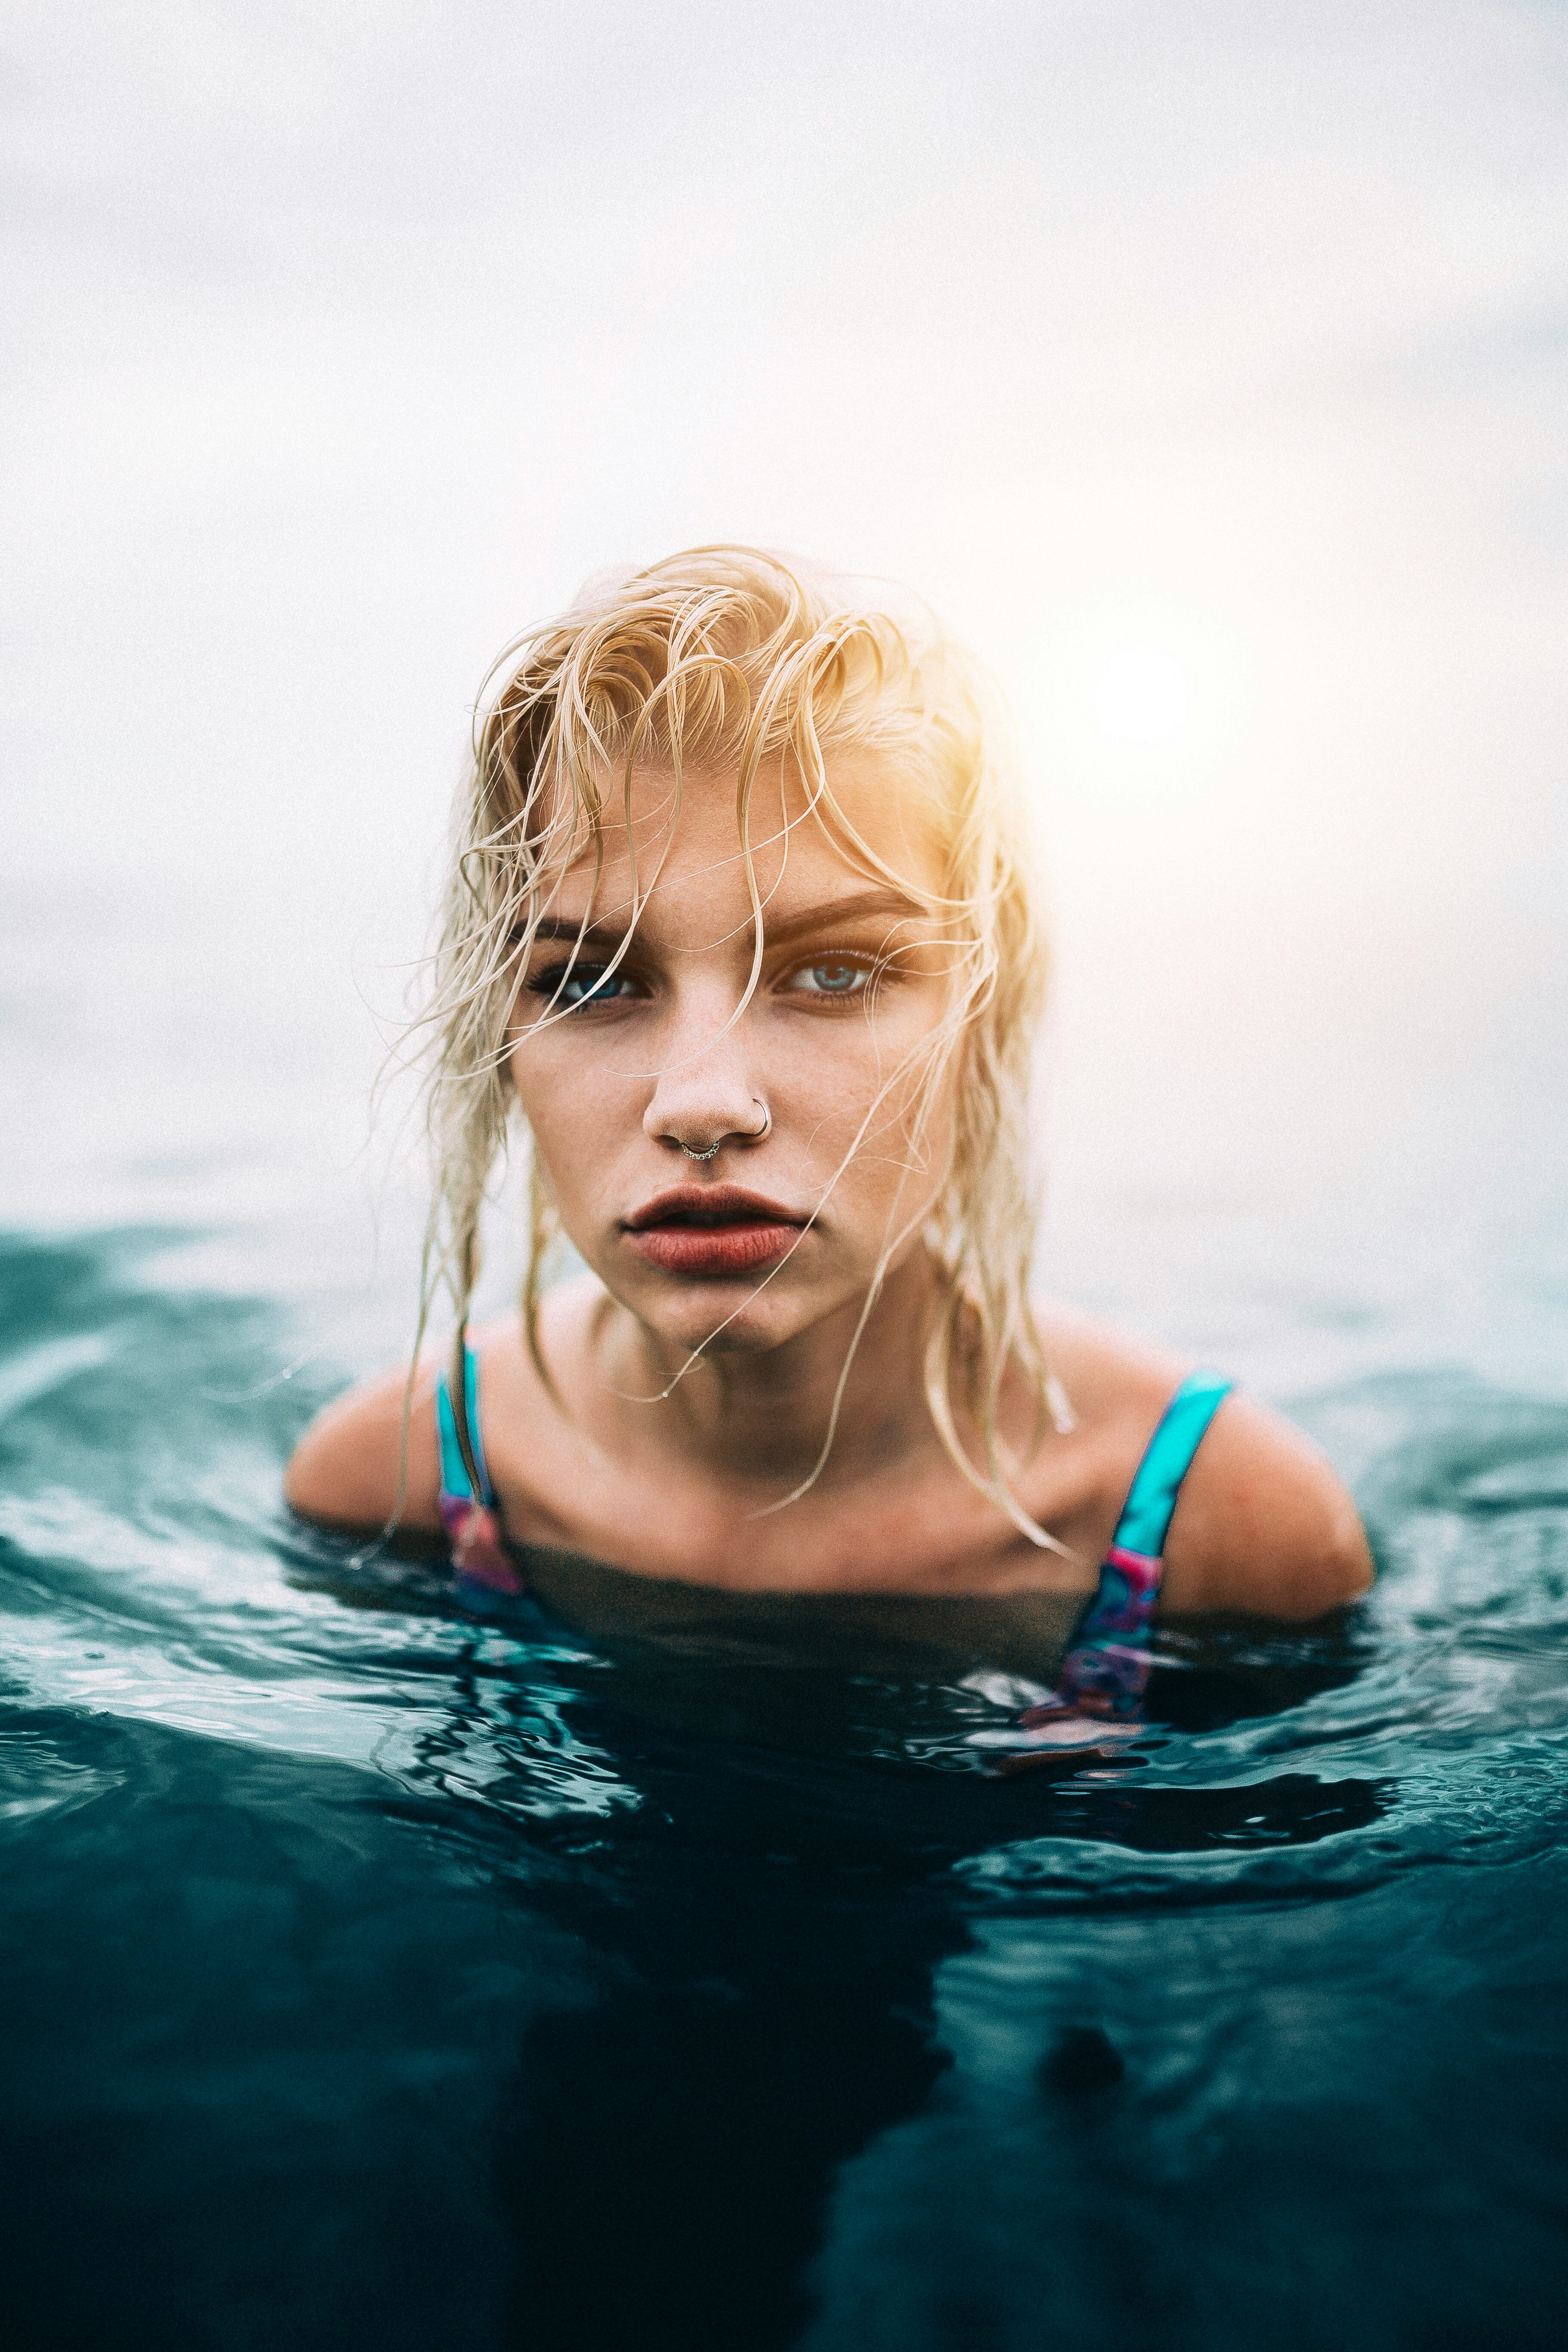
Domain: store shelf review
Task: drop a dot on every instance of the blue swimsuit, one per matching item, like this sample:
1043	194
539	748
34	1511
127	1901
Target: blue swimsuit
1107	1663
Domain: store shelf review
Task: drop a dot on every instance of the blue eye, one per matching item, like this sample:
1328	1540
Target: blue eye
832	977
584	983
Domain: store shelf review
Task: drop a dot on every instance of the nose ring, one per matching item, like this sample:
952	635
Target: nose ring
751	1135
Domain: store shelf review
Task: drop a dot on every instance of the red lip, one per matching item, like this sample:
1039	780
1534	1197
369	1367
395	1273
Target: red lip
715	1230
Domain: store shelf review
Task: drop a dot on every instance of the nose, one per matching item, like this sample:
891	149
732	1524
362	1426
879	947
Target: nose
706	1094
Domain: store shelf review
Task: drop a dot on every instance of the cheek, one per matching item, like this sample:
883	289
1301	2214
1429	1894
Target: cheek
524	1074
889	1055
563	1103
885	1113
568	1131
554	1069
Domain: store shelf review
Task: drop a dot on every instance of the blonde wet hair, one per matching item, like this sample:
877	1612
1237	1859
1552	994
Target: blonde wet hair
727	657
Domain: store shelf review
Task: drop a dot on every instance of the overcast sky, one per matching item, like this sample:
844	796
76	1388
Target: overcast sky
1228	336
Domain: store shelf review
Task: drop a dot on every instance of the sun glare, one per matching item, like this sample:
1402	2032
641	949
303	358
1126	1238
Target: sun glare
1141	695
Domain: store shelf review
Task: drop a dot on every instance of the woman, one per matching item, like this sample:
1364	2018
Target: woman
739	934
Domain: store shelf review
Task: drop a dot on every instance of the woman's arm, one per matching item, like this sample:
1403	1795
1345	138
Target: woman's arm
345	1469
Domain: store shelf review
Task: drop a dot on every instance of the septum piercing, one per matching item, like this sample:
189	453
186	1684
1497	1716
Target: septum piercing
750	1135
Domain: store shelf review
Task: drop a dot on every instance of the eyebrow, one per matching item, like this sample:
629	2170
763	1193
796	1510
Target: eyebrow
859	908
588	935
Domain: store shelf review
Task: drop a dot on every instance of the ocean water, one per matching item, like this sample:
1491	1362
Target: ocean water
376	1974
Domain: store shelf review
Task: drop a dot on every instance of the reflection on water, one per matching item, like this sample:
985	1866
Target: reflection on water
523	1988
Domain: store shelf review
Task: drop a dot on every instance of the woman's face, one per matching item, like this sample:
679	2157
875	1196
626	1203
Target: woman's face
652	1063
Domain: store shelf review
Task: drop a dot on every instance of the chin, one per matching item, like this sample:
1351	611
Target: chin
719	1329
722	1318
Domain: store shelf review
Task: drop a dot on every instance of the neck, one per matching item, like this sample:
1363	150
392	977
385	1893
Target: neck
764	1417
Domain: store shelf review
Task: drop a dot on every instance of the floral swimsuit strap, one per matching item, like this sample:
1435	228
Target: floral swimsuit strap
467	1501
1107	1663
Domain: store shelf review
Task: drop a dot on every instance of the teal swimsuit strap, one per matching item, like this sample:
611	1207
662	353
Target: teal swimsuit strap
1151	1499
1106	1667
455	1478
482	1563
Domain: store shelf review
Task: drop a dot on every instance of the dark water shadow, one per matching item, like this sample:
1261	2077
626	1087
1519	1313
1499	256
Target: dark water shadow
1206	1679
1291	1810
760	1941
666	2158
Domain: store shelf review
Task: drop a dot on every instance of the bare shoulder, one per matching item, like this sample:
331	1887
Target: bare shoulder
1263	1524
373	1457
375	1454
349	1467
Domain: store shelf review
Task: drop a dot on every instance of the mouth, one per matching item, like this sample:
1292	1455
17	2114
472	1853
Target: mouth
712	1230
